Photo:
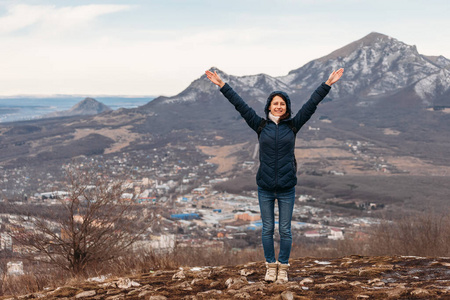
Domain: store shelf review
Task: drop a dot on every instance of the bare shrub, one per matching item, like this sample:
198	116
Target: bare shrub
93	224
424	235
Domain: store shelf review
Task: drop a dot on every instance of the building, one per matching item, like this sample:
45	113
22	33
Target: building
5	241
14	268
247	216
336	234
200	191
312	234
188	216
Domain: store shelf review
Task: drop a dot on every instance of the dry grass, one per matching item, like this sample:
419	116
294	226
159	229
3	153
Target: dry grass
389	131
123	137
222	156
416	166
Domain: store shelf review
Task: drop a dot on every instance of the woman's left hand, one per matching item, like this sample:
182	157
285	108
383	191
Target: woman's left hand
334	76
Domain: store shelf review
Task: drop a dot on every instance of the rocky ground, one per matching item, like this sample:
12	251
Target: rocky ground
353	277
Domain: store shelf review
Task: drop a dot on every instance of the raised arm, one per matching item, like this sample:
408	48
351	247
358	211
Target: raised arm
215	78
334	77
249	115
308	109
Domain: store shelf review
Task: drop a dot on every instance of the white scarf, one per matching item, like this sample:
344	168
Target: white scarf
276	120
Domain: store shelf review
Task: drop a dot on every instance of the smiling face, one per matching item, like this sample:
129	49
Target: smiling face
277	106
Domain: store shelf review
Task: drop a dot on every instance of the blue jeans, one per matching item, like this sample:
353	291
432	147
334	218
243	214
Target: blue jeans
286	201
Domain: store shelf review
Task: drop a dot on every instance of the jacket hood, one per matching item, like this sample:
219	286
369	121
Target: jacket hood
285	98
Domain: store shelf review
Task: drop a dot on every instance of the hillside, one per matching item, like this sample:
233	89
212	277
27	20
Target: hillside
387	85
388	116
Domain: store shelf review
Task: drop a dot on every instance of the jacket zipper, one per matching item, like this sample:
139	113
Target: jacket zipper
276	157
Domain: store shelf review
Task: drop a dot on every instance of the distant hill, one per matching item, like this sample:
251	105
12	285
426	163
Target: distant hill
88	106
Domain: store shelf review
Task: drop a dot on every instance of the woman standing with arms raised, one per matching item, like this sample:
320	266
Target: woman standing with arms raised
276	177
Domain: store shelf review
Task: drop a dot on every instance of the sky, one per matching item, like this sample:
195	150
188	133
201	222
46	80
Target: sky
158	47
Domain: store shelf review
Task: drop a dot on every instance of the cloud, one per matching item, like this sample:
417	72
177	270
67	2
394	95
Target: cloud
52	19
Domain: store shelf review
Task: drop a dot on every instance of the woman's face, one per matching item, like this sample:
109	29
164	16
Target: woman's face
277	106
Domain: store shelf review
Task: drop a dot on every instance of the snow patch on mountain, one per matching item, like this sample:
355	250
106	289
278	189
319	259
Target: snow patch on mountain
433	86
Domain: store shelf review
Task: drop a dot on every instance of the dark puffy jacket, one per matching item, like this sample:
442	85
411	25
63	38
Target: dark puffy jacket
277	170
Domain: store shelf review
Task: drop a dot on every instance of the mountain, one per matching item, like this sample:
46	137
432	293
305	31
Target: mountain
86	107
376	66
387	85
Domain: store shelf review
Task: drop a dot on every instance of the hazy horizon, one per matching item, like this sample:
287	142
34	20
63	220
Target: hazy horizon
13	109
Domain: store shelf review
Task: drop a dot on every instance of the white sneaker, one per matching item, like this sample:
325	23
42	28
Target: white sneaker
282	276
271	273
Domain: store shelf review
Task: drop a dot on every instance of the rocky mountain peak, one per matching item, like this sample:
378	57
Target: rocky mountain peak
376	65
370	40
439	61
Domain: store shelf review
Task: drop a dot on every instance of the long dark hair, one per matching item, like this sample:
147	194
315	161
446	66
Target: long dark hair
285	116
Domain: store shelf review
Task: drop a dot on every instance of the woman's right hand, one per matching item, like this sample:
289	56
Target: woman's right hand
215	78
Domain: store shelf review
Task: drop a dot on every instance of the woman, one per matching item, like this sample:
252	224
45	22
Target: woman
276	177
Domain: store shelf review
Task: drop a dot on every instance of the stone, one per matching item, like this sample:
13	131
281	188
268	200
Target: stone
214	284
113	292
395	293
373	272
116	297
246	272
420	293
144	293
333	285
86	294
179	275
158	297
243	295
253	263
184	286
232	292
374	280
251	288
379	284
64	292
134	292
287	295
307	281
362	297
196	280
157	273
108	285
235	283
125	283
211	294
